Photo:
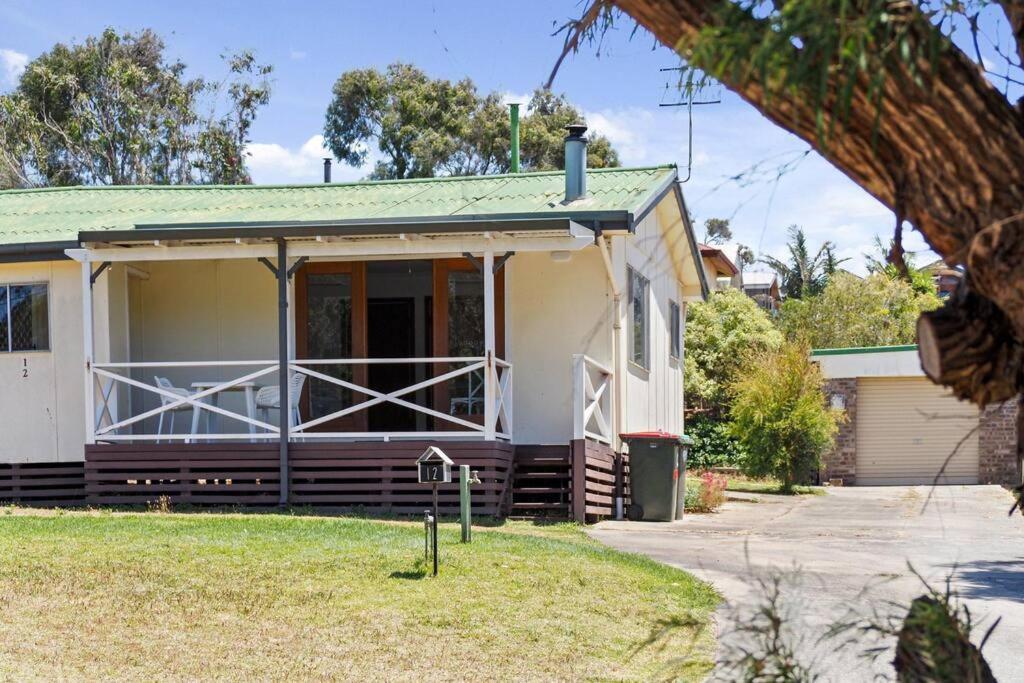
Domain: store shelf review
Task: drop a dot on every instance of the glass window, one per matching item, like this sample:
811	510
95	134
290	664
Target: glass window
638	316
466	337
329	335
675	330
24	318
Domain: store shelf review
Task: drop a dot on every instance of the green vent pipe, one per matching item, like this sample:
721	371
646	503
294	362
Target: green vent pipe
514	116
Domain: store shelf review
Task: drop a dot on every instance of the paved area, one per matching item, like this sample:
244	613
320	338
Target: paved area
849	550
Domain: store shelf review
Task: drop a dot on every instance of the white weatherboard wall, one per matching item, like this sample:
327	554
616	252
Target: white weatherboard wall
42	392
653	397
554	309
202	311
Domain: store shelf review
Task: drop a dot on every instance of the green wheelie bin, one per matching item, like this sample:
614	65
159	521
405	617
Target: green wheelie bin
657	475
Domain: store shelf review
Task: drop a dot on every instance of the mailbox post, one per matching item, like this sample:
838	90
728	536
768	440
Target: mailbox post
434	468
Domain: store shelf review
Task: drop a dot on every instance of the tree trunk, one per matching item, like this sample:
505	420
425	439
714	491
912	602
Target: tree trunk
968	346
948	156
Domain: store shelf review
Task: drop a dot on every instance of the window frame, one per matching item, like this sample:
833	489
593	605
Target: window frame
633	276
7	346
675	338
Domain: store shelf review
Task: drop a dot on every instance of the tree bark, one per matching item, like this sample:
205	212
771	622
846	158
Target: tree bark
968	346
948	156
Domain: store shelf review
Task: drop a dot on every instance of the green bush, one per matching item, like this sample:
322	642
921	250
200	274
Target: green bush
779	415
713	444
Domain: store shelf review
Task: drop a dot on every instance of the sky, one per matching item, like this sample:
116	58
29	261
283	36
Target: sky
505	47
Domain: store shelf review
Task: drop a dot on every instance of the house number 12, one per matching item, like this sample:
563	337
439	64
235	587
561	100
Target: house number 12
24	368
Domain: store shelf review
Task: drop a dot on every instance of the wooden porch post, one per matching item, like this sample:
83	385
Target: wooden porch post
282	362
490	370
88	353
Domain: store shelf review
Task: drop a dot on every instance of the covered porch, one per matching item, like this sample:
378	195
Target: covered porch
372	337
214	375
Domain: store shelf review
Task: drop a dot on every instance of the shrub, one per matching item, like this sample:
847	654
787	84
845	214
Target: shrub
708	496
779	415
717	333
713	444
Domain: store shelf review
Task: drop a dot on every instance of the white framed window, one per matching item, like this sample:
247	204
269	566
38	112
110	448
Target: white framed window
24	317
675	330
639	319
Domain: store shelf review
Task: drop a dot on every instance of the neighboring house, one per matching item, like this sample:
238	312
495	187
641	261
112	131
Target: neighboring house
946	279
516	322
763	287
719	269
901	428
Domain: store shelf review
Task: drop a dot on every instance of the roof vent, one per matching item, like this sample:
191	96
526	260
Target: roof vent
327	169
575	162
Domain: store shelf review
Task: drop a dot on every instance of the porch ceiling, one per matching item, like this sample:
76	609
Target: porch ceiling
335	241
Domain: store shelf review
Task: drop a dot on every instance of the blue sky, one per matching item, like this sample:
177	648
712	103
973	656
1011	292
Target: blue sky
505	47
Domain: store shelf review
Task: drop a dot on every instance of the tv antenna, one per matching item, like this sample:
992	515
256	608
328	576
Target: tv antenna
690	87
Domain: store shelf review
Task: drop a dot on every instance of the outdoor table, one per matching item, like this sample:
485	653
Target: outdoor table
250	403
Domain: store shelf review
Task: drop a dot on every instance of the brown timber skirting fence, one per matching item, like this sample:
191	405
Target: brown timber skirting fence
48	484
375	476
599	474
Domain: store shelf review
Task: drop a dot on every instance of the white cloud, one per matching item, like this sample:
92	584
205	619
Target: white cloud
13	64
522	99
272	163
297	55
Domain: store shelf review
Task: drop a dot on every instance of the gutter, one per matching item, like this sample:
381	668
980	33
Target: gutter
36	251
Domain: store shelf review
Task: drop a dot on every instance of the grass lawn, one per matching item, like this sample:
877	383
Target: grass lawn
88	595
770	486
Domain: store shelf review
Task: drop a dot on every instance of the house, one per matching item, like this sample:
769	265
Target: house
304	344
763	287
720	270
945	278
900	428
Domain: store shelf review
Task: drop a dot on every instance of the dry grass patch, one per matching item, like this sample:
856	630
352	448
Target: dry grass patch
186	596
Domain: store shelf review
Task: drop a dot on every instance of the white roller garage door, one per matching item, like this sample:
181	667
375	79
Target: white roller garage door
907	427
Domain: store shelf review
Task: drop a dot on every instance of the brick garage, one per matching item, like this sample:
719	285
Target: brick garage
998	458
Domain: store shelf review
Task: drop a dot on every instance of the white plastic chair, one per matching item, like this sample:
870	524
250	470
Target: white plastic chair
166	385
473	401
269	397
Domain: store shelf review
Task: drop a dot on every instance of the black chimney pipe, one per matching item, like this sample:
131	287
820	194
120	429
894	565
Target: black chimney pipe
327	169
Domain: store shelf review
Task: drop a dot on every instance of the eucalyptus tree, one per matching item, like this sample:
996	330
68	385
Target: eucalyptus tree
113	110
418	126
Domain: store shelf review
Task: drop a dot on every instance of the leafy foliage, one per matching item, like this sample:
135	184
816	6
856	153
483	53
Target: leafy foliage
705	493
874	311
779	414
717	231
804	275
879	262
718	333
113	111
425	127
713	444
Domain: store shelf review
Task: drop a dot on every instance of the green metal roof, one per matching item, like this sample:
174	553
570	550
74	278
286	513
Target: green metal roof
863	349
60	214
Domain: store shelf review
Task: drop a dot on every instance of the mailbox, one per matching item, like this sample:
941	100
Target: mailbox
434	467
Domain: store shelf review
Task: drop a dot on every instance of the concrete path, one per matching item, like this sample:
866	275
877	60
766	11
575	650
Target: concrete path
848	550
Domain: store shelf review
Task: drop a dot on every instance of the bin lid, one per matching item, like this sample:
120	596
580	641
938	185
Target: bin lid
658	435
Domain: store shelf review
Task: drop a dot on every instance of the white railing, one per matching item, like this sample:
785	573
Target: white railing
488	394
592	400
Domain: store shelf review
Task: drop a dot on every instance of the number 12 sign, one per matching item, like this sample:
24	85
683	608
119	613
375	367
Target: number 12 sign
434	467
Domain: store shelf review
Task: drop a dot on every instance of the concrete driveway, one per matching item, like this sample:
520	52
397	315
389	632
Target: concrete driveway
848	550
